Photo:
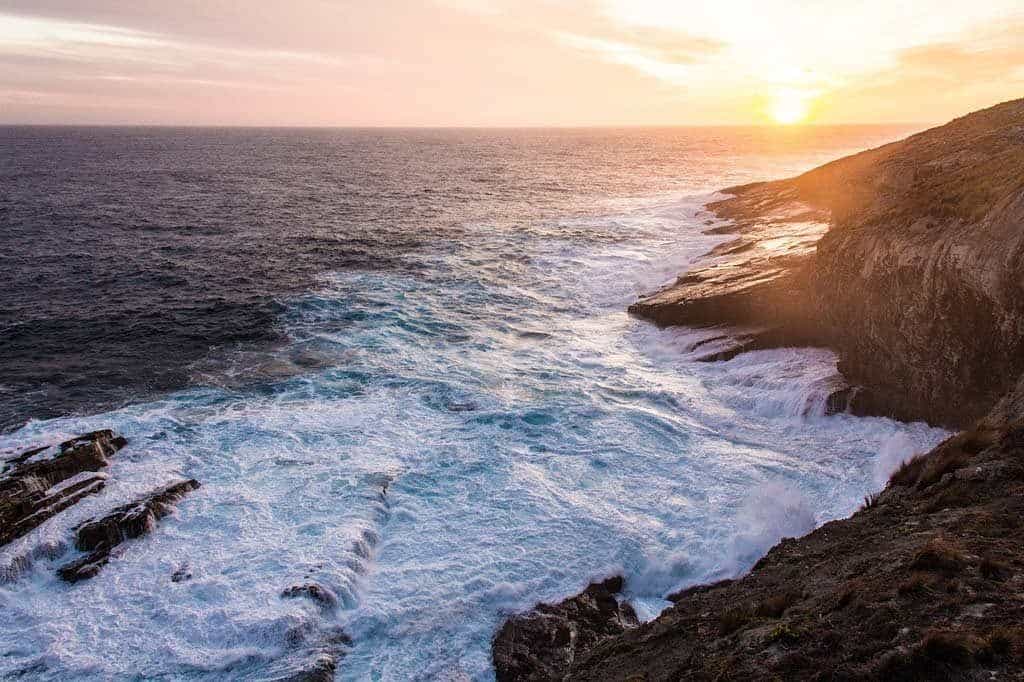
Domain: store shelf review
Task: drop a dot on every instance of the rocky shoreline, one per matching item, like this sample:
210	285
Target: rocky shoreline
908	262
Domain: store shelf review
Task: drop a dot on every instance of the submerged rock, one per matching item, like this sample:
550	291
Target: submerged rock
100	537
34	490
542	644
316	592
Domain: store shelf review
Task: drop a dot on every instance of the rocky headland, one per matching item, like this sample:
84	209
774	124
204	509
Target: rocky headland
908	261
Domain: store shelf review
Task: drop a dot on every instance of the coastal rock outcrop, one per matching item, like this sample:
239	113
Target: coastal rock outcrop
544	643
101	536
917	283
35	487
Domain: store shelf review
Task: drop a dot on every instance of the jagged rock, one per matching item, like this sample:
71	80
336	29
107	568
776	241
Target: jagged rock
320	668
542	644
33	491
181	574
100	537
323	596
316	657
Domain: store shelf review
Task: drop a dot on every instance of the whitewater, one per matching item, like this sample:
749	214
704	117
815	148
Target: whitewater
442	443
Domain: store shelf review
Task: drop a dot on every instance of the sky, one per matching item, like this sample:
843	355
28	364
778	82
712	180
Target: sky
506	62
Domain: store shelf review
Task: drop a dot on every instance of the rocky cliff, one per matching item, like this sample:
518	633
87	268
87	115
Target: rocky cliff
917	284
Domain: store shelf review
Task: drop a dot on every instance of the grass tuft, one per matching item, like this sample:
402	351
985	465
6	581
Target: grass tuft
732	620
938	555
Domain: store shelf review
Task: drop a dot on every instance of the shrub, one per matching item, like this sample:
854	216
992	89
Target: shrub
938	653
952	648
1004	641
782	634
955	453
908	472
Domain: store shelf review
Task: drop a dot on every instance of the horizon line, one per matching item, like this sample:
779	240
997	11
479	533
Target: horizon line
601	126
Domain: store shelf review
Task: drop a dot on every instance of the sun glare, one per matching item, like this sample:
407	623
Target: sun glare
789	108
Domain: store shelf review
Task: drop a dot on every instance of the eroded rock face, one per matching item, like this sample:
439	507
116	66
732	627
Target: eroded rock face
101	537
544	643
918	284
33	491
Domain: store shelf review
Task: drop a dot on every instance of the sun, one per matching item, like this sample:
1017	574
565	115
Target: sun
789	107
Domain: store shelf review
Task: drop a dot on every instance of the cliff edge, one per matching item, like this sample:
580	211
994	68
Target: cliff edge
917	283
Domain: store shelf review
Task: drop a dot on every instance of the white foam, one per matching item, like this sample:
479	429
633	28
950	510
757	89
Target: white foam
532	438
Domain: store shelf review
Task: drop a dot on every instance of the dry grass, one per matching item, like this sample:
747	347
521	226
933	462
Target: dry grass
993	569
938	555
917	583
957	452
774	607
870	501
732	620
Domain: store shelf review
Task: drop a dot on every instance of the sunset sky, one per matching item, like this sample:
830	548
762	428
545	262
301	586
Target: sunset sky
506	62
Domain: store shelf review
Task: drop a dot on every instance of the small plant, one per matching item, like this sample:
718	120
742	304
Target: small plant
782	634
951	647
955	453
870	501
908	472
1005	640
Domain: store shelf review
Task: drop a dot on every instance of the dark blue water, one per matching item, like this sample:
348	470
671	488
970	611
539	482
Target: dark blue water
131	254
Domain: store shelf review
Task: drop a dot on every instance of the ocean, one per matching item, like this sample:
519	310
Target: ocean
303	319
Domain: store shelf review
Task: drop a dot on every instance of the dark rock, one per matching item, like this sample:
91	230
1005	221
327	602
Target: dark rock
31	491
840	400
317	655
323	596
181	574
542	644
101	536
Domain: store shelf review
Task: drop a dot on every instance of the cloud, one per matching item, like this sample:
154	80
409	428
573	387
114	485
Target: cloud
935	81
491	62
